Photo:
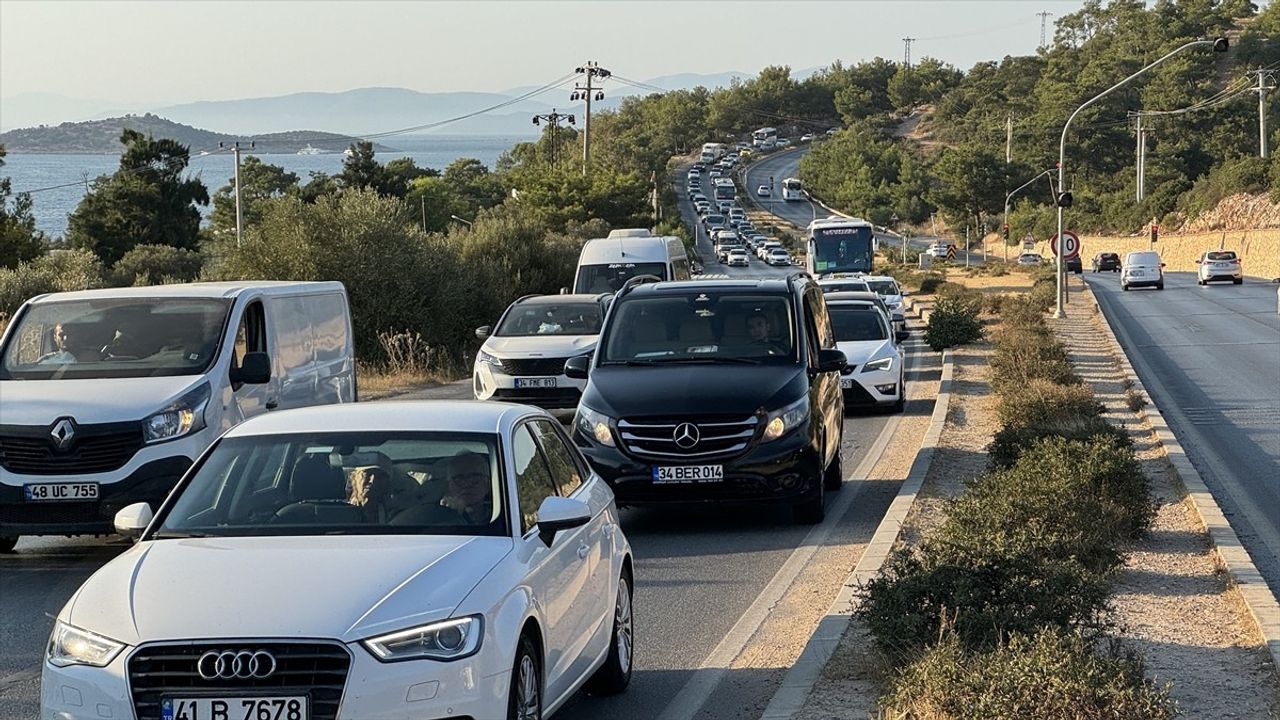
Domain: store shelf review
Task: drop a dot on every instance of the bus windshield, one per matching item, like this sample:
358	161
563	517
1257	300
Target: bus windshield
841	249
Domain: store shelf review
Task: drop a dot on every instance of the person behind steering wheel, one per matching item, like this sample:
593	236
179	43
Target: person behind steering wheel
761	332
470	492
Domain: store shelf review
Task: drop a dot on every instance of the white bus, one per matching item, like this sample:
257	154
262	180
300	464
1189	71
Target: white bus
724	189
765	138
792	190
840	245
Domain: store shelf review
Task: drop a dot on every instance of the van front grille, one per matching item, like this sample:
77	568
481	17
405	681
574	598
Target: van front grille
31	450
657	438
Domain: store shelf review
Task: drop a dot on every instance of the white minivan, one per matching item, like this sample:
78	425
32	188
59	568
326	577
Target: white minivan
1142	269
607	263
108	396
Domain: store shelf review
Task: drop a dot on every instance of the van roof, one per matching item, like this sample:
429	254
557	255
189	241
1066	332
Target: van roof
630	232
196	290
633	249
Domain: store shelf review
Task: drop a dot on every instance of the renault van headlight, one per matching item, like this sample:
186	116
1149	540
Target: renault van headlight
877	365
787	419
69	645
445	640
184	416
594	425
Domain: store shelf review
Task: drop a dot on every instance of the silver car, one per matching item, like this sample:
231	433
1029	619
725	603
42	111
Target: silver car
1219	265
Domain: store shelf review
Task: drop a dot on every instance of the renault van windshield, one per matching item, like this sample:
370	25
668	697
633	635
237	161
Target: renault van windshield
610	277
115	338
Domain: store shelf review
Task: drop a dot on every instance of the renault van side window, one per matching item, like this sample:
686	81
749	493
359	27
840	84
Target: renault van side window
251	336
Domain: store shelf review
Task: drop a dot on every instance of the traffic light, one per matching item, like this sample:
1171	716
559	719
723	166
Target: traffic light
1155	232
1006	233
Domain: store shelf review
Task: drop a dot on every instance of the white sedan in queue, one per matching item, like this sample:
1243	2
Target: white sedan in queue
368	561
875	373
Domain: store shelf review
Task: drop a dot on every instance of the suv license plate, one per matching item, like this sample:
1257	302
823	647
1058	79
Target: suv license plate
846	383
535	382
60	492
250	708
687	474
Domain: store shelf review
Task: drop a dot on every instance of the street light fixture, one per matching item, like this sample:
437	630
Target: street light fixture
461	220
1064	196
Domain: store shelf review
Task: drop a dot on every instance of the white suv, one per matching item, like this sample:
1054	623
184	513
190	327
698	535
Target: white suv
887	288
1142	269
1219	265
522	359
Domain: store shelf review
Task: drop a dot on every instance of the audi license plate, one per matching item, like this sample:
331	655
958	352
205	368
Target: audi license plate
535	382
65	492
250	708
687	474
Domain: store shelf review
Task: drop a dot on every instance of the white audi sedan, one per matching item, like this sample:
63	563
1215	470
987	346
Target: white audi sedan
358	562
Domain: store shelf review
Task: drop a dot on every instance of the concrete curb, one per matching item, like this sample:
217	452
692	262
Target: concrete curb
1231	554
803	675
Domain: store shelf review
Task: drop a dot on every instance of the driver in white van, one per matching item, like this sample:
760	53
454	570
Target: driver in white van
61	340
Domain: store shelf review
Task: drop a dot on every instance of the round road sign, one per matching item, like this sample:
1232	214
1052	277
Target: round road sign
1072	248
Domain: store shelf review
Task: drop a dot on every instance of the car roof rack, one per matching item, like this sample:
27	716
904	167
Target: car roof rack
633	282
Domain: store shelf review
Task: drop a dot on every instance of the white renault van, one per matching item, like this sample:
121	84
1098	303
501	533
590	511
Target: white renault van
1142	269
606	263
108	396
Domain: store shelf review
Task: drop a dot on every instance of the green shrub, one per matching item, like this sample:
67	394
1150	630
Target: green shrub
985	599
59	271
156	264
929	283
1042	401
1044	676
1101	465
1027	352
954	321
1009	443
1044	294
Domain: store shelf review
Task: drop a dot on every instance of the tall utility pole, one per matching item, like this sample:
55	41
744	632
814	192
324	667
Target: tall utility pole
1044	18
1008	138
235	151
1266	82
906	53
554	118
588	92
1141	159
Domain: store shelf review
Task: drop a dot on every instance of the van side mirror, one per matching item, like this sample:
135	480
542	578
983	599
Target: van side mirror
483	331
577	367
830	360
133	519
255	369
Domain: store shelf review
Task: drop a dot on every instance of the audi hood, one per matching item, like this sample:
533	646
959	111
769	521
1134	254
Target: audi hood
345	587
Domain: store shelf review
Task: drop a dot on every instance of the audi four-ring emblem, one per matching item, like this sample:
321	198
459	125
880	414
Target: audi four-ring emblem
686	435
236	665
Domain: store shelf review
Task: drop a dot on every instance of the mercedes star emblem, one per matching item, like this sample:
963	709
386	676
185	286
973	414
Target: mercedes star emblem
64	431
686	435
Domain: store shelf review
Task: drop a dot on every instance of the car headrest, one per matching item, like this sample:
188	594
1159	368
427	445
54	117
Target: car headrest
315	479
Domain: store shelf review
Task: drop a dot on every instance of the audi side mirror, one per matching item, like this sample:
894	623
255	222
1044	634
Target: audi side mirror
560	513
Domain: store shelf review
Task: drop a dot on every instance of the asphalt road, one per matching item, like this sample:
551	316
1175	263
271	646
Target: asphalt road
1210	357
757	268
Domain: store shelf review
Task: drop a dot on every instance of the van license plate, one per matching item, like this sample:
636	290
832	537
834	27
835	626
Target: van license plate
535	382
250	708
1136	272
66	492
687	474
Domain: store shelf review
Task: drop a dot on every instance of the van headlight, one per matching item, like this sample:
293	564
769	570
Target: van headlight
787	419
184	416
488	359
444	640
69	645
884	364
594	425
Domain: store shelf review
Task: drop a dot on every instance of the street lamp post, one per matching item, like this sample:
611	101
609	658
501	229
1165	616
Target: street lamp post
1064	198
1009	197
461	220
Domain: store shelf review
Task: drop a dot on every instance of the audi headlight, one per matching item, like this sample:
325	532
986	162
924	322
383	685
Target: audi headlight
787	419
877	365
485	357
445	640
69	645
594	425
184	416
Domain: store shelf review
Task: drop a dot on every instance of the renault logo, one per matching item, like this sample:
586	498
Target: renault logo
686	435
236	665
64	431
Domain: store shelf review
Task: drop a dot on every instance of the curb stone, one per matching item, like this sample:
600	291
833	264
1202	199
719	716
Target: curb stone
803	675
1231	555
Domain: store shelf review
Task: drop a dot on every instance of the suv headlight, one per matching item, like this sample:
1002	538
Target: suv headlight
877	365
184	416
787	419
445	640
69	645
594	425
485	357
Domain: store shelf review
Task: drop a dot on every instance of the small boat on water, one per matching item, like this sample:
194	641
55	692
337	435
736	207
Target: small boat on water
308	150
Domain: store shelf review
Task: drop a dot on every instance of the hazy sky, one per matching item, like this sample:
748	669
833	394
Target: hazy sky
162	52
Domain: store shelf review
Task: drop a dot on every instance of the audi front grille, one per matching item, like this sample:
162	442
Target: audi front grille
315	669
717	437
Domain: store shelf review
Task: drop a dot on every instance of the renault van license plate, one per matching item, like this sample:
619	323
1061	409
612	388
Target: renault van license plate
522	383
250	708
687	474
67	492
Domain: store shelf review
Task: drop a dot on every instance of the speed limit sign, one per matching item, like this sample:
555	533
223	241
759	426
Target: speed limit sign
1071	245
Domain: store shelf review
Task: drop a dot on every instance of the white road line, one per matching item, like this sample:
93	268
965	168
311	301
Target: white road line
708	676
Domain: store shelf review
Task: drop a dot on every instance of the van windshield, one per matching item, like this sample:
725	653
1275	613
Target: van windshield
610	277
115	338
701	326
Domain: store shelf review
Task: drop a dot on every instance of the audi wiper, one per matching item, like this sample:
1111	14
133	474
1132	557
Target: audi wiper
174	535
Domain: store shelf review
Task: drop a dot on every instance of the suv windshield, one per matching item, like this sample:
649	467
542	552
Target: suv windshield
1221	255
884	287
357	483
845	286
856	323
115	338
611	277
701	326
569	318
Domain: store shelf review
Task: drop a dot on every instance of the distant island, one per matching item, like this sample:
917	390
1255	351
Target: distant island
102	137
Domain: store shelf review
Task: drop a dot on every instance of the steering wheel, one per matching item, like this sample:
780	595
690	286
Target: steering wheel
280	514
106	354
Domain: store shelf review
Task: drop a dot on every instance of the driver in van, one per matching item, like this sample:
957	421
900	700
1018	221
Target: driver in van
61	340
